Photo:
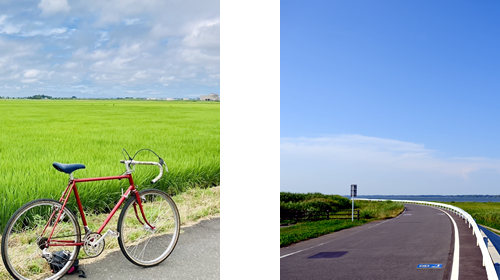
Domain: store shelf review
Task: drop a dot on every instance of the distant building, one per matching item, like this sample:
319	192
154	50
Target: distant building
170	99
185	98
210	97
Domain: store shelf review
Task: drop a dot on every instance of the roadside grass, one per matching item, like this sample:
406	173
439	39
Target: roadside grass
485	213
369	211
378	210
304	231
194	205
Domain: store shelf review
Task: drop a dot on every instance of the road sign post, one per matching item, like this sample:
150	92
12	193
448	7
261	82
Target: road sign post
354	192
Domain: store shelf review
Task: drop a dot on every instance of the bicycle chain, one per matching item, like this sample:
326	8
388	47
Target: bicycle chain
44	239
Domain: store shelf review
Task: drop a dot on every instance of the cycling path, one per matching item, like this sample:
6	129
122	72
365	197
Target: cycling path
196	256
388	249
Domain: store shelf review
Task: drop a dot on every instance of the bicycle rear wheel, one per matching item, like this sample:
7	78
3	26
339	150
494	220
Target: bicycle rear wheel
141	244
26	234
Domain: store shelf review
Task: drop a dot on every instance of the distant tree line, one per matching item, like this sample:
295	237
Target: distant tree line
43	96
38	96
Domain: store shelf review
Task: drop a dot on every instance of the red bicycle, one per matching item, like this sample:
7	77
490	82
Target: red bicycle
147	231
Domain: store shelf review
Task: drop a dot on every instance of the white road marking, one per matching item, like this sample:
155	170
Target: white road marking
379	224
304	249
456	251
401	213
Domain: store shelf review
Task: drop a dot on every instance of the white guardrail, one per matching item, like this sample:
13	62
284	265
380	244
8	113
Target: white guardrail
487	261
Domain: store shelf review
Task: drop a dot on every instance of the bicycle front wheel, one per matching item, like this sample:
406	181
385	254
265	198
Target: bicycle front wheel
148	242
25	239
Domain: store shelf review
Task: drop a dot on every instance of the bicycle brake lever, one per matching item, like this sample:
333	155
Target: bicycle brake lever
162	162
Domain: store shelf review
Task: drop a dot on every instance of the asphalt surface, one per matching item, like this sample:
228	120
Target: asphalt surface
196	256
389	249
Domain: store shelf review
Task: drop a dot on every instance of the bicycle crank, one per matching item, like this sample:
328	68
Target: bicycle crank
93	244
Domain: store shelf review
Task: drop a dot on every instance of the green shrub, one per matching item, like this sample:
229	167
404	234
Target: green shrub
378	210
312	202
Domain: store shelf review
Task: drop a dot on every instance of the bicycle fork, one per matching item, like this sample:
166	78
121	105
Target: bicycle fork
147	227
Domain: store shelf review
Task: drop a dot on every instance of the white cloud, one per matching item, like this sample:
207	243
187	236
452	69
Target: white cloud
17	29
112	46
70	65
6	27
140	75
50	7
385	163
45	32
385	154
28	80
197	57
130	21
32	73
206	34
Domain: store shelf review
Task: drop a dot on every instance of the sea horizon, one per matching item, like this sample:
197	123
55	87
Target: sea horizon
443	198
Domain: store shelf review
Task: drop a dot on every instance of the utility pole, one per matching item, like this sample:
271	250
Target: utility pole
354	192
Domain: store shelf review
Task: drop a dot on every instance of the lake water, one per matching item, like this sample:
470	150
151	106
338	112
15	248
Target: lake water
444	198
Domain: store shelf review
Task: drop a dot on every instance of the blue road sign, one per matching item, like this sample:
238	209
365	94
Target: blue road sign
430	265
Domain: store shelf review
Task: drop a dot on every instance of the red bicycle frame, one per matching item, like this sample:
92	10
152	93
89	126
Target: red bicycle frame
72	188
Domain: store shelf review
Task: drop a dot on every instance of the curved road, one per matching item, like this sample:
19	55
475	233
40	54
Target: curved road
388	249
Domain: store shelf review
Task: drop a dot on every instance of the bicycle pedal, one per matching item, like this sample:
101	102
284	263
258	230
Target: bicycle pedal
113	233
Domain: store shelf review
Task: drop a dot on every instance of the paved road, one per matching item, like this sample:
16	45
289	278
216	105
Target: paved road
389	249
196	256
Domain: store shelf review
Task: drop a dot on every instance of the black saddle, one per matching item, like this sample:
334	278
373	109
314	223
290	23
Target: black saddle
68	168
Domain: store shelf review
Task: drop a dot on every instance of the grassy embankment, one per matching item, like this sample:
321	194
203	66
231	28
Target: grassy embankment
485	213
369	211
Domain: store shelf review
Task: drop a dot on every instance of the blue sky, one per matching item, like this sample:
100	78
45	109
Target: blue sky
400	97
115	48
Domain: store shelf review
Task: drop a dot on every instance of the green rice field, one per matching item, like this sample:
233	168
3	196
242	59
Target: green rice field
36	133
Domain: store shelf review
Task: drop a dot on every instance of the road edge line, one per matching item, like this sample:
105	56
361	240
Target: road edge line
456	250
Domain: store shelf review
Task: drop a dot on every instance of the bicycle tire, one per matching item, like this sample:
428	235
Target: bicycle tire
22	244
138	242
